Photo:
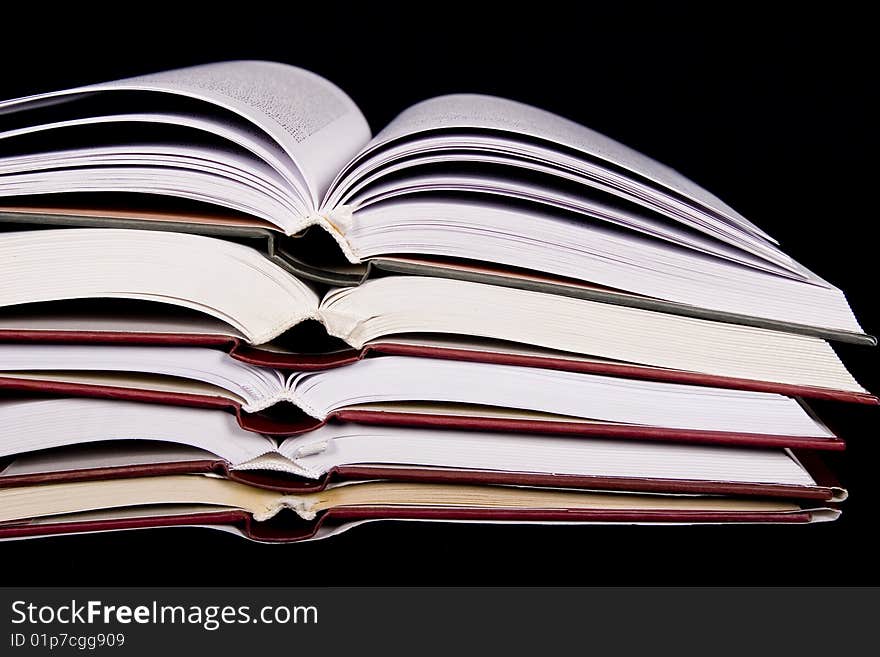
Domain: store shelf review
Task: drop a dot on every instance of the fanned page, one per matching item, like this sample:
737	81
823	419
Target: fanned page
494	185
473	111
57	435
260	301
285	110
480	179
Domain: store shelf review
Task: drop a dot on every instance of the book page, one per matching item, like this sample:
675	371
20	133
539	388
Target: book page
38	424
315	122
212	366
344	444
112	316
234	283
239	132
129	381
471	111
603	398
103	455
489	186
542	239
450	151
26	502
222	177
470	496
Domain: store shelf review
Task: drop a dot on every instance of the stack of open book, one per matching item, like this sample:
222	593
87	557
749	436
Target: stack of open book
223	303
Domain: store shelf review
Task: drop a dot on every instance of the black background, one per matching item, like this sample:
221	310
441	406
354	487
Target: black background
773	113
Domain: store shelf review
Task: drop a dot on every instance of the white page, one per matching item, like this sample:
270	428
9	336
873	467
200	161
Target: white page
232	282
199	186
538	239
253	384
24	502
491	113
235	165
420	304
221	177
316	123
239	168
345	444
495	185
49	317
129	381
46	423
609	399
334	528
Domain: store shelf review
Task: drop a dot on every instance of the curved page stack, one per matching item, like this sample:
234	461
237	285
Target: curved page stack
224	303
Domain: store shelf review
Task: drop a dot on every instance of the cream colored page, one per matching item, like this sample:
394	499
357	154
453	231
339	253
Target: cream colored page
251	138
106	455
39	424
54	499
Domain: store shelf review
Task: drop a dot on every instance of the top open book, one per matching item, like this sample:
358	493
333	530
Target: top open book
461	186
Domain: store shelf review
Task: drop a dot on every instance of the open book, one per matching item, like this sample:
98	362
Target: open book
227	294
416	391
224	303
205	500
68	439
79	465
472	188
